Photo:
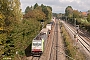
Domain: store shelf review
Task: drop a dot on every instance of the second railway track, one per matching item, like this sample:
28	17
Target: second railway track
81	40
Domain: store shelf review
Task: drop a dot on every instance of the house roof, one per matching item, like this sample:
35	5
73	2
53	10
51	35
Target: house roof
84	13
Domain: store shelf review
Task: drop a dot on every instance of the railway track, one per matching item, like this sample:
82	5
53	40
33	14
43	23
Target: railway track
53	53
54	44
57	48
84	38
85	35
52	48
33	58
56	41
81	40
48	53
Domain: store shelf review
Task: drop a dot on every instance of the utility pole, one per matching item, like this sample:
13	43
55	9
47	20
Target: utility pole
66	19
42	23
75	22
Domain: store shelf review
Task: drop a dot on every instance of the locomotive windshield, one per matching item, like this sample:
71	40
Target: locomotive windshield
36	44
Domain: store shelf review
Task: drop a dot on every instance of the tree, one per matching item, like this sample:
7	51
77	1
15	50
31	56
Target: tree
88	11
54	14
6	10
88	17
35	6
11	16
75	14
42	5
2	17
17	10
50	8
39	12
49	15
27	9
47	11
69	12
12	12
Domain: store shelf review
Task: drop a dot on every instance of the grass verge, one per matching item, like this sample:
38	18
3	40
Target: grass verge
71	51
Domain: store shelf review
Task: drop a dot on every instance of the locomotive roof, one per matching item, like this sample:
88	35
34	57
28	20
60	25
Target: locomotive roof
44	30
49	24
40	36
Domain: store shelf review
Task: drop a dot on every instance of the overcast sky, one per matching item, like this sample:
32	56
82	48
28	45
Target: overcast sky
58	6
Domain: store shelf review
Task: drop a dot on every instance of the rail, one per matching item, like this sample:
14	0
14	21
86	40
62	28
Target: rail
81	40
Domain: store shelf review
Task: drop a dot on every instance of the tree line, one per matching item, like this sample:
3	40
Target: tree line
70	15
10	13
82	18
17	30
38	12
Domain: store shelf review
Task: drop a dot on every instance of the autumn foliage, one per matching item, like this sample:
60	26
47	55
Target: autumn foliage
38	12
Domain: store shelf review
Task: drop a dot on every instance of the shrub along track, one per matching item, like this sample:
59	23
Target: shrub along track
71	52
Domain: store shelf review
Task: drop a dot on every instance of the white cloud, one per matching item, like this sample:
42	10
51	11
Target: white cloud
66	0
58	5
